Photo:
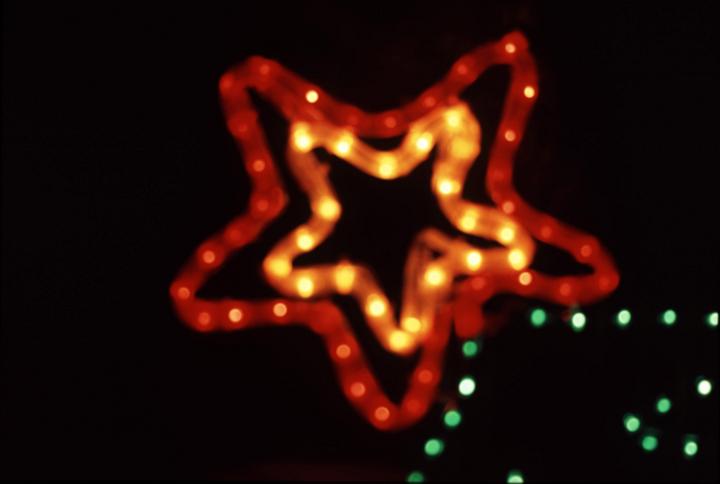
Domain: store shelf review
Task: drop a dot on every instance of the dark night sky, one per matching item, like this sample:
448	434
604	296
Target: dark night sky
116	164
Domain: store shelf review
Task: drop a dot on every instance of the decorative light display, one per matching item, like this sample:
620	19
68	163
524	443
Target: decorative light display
648	437
439	290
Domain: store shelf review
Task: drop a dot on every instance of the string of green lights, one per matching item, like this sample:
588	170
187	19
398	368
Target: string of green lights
649	437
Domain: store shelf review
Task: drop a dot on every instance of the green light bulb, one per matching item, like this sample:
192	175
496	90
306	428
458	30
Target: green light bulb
538	317
434	447
623	318
631	422
515	477
663	405
690	446
704	387
712	319
452	418
415	476
669	317
649	442
470	349
578	322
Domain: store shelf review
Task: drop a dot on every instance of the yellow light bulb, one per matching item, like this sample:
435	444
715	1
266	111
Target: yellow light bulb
328	208
343	145
447	186
506	235
302	139
435	276
375	306
387	166
412	324
424	142
468	221
312	96
462	148
304	240
529	92
344	278
399	340
278	266
517	259
453	119
305	286
473	260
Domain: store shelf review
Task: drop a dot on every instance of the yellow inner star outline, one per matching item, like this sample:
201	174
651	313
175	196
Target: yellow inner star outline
427	280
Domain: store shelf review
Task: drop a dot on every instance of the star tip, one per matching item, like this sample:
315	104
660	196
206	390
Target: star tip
516	38
257	65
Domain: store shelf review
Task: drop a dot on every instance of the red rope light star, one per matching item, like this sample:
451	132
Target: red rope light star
439	291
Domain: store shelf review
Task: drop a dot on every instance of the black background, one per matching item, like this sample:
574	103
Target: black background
116	164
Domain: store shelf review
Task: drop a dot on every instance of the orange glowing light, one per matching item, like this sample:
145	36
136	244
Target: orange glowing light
425	376
357	389
382	413
258	165
343	351
235	315
448	279
280	310
208	257
525	278
203	318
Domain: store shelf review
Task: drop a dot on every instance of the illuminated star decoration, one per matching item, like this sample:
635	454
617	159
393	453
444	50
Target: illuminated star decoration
439	291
